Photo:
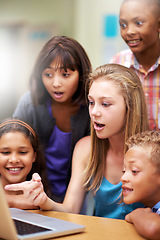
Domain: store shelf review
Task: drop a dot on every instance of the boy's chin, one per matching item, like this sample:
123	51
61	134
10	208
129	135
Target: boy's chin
128	201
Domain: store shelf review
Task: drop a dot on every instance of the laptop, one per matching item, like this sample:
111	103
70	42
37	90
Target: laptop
20	224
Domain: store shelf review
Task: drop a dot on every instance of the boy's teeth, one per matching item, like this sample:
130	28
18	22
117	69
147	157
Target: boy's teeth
133	41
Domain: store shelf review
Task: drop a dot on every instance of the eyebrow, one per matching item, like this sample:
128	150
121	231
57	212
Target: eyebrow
101	98
133	19
131	161
2	148
60	68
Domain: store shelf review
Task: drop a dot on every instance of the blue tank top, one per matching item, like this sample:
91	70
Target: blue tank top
57	154
107	201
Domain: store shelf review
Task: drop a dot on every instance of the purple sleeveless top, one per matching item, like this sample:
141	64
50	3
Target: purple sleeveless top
57	154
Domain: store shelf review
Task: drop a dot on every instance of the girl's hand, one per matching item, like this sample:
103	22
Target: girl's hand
33	192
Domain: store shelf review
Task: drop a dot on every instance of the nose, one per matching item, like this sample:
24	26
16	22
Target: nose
124	177
57	81
14	158
130	29
95	111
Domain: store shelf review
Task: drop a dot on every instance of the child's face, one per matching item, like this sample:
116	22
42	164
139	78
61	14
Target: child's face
140	181
107	108
60	84
16	157
139	26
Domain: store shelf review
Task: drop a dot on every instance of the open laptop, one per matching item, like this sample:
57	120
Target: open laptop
42	227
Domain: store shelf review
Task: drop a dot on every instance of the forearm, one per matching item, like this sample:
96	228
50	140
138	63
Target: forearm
52	205
72	203
75	194
16	201
145	222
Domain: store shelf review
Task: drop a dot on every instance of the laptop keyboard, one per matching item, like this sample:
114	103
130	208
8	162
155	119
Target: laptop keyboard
27	228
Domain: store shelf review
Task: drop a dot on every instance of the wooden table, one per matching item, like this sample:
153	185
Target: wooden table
97	228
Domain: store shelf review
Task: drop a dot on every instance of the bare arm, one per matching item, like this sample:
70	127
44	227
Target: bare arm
19	201
75	192
145	222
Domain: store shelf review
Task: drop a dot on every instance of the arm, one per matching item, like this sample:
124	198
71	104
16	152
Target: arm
19	201
75	192
33	190
145	222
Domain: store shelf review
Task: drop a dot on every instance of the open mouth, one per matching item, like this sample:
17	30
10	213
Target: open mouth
133	43
58	94
98	126
126	190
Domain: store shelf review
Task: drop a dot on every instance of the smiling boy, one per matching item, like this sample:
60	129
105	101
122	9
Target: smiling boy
141	182
140	28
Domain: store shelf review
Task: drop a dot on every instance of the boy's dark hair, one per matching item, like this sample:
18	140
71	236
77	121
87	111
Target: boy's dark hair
70	55
151	3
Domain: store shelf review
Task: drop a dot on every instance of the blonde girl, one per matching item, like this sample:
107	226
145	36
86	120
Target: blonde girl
118	110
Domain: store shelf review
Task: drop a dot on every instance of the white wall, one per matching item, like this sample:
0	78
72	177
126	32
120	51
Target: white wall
89	28
26	25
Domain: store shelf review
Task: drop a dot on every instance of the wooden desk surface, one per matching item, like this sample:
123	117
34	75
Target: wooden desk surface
96	228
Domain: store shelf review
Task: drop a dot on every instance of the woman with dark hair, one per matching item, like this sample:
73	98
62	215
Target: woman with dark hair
56	106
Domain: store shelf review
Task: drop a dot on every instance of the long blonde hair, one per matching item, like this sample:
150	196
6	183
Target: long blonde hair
136	117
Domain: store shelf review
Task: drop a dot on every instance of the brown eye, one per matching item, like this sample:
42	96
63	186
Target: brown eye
5	152
139	23
48	75
66	74
135	172
123	25
23	152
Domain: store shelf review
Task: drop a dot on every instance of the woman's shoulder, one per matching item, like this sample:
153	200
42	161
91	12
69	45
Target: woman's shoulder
26	98
84	142
26	102
82	150
27	110
83	146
